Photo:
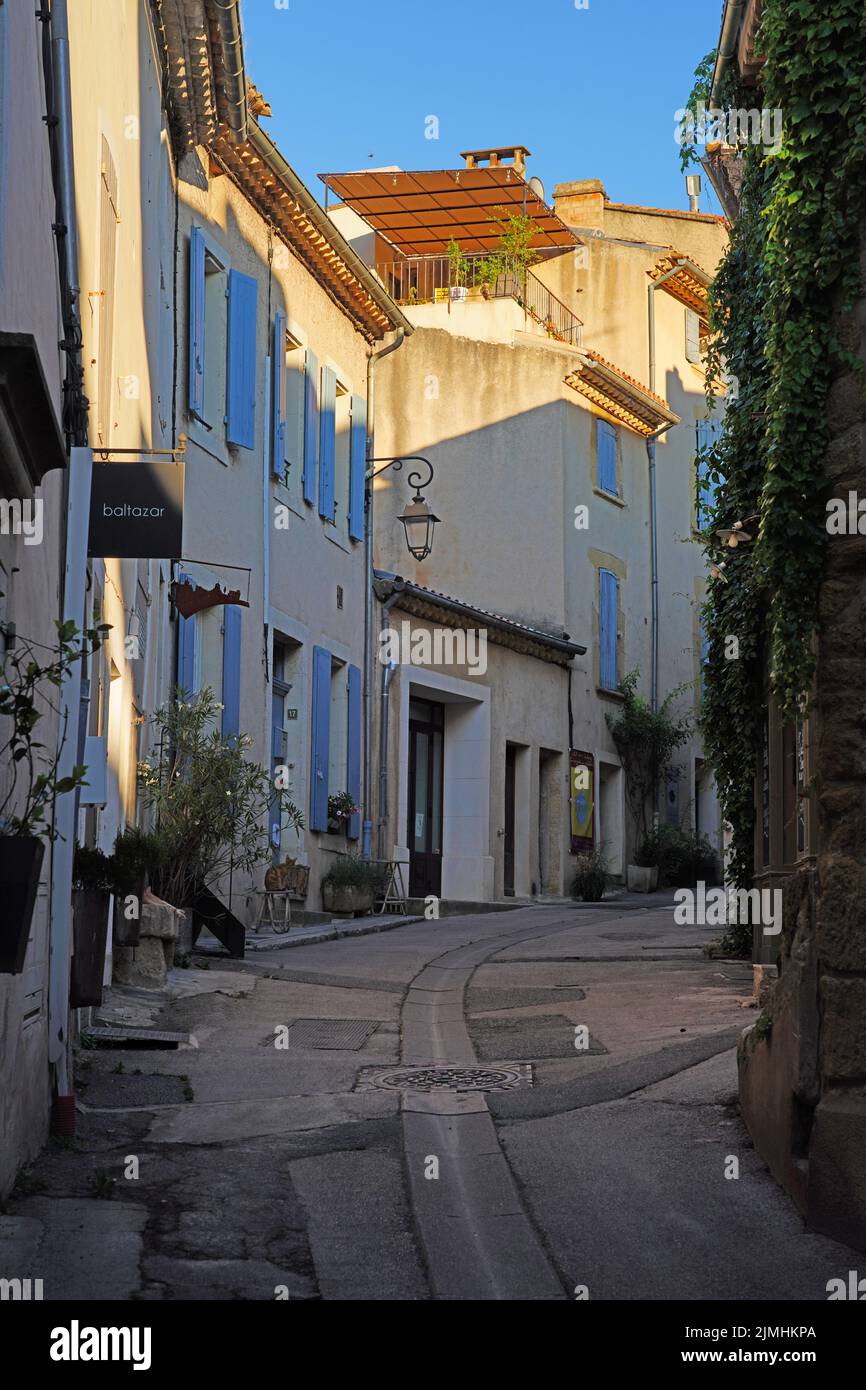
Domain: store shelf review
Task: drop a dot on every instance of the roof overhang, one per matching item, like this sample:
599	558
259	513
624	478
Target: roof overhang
451	612
620	395
420	212
685	280
269	182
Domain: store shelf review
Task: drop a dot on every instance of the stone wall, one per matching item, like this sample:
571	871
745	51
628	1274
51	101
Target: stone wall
803	1088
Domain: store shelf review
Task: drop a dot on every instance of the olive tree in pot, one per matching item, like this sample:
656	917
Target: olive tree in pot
30	782
351	885
645	738
211	804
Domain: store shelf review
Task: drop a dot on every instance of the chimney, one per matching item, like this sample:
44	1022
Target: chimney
512	155
581	203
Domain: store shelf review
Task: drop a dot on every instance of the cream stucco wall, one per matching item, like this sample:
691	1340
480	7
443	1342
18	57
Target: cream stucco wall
29	573
227	488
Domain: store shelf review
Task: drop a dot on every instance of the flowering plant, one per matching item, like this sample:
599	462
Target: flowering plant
341	806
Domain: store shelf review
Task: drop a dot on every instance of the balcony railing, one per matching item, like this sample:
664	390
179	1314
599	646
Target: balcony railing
429	279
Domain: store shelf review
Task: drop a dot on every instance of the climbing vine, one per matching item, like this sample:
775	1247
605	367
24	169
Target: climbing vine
791	268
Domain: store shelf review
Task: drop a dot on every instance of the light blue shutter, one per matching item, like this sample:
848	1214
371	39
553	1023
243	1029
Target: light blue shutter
706	432
241	364
608	586
311	427
328	443
606	441
196	323
320	739
705	653
693	337
186	643
231	669
278	392
353	748
358	468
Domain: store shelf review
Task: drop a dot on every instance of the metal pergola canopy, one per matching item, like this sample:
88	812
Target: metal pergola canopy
419	212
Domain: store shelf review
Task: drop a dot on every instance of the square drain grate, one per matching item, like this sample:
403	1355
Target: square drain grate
339	1034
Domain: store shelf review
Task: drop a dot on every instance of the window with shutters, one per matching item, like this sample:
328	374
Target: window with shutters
608	630
286	724
693	337
108	220
339	722
342	460
607	452
294	440
215	291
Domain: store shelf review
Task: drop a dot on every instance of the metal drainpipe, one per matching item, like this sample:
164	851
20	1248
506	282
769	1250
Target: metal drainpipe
233	59
384	712
77	495
727	45
651	460
369	656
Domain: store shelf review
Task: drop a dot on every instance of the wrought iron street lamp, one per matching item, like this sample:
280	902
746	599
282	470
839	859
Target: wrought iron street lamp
419	522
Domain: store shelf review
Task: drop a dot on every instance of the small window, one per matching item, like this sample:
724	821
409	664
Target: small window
342	454
296	380
607	448
693	337
338	725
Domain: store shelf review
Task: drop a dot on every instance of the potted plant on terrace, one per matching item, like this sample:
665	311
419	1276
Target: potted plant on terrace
645	739
30	782
351	885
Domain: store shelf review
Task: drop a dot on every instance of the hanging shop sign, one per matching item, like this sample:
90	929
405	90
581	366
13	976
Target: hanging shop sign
582	801
136	511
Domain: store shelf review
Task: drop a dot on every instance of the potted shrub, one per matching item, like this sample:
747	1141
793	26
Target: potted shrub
351	885
645	738
210	802
92	884
135	861
341	809
30	780
590	877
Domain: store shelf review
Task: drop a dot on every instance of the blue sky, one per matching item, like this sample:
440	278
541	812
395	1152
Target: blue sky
592	92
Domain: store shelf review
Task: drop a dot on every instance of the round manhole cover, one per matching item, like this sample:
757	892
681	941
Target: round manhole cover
452	1078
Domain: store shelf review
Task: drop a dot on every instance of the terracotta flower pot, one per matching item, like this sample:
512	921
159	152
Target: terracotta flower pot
20	866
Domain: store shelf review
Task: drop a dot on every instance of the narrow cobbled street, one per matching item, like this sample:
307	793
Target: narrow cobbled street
303	1143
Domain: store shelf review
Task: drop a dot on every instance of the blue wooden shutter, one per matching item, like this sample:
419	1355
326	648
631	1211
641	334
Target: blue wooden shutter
196	323
353	748
608	586
241	365
311	427
705	653
186	644
231	669
706	434
278	392
328	443
606	441
357	468
320	751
